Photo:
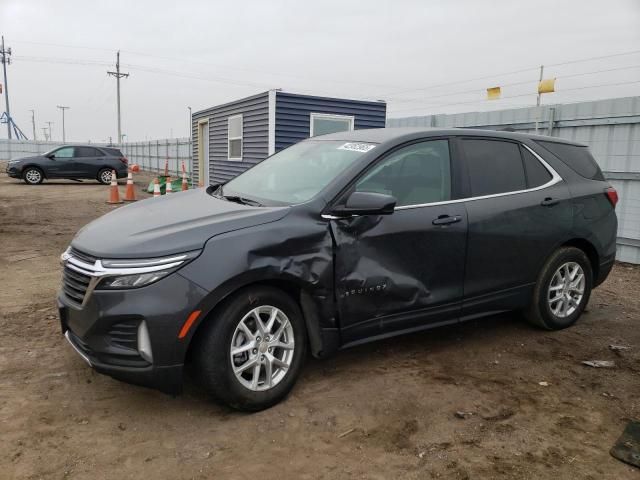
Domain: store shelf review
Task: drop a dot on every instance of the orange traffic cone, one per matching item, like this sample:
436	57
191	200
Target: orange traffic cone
166	168
169	187
130	193
114	194
156	188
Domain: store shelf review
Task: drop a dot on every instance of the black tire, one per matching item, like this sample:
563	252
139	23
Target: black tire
212	355
540	312
102	178
32	176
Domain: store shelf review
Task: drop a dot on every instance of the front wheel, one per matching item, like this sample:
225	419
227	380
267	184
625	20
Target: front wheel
32	176
250	354
562	291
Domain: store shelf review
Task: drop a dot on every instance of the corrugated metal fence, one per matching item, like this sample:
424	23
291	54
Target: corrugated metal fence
610	127
150	155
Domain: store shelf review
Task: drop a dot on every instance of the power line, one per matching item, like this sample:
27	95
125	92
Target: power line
632	52
514	96
526	82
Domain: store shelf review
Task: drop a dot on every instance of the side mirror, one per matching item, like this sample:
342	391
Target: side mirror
366	203
51	156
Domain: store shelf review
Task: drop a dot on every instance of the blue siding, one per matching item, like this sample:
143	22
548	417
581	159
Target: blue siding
255	133
293	115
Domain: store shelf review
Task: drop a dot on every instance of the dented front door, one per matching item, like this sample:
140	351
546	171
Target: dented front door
401	271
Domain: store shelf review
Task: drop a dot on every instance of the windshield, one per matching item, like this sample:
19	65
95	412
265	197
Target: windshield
297	173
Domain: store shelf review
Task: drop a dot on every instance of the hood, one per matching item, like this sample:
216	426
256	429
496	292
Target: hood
27	159
170	224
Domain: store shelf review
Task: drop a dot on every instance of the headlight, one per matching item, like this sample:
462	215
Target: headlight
125	274
133	281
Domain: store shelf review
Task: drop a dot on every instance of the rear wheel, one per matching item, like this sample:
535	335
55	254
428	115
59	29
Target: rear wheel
104	176
251	353
32	176
562	291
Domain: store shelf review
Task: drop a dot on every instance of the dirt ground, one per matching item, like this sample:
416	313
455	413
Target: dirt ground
381	411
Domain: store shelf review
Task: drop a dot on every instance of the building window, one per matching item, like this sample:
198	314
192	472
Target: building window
323	123
235	137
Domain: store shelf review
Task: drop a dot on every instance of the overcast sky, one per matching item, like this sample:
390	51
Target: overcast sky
420	56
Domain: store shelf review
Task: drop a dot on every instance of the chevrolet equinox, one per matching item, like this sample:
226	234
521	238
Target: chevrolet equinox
336	241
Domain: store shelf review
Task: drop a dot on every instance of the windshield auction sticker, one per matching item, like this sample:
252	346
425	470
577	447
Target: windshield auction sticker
357	147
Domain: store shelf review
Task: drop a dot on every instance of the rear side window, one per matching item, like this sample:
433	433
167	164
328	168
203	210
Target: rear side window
494	166
537	174
578	158
87	152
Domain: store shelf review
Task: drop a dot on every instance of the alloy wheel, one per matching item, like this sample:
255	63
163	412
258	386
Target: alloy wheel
33	176
566	289
262	348
105	176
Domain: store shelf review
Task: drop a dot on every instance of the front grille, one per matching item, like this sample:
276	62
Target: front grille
75	284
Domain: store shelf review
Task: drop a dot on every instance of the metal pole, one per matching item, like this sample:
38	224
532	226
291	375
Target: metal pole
5	60
33	124
118	76
50	131
64	137
538	100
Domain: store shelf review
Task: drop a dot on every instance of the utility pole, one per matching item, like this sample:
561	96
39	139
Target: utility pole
539	97
44	132
50	132
64	138
33	124
6	54
118	76
539	94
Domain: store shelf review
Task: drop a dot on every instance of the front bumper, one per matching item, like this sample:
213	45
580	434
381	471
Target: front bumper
104	331
13	171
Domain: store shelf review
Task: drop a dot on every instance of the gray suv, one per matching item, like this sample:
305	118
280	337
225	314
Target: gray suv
333	242
73	162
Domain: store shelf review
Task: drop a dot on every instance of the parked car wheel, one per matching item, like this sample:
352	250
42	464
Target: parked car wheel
562	291
251	353
104	176
33	176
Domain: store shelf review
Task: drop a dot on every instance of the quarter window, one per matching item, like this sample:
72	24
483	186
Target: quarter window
494	166
537	174
235	137
416	174
322	123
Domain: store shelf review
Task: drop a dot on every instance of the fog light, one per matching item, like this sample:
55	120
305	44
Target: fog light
144	342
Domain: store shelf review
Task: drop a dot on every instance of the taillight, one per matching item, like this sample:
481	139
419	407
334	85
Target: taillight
124	160
612	195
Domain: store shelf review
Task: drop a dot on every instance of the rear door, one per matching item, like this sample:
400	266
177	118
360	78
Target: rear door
63	164
519	210
88	160
405	270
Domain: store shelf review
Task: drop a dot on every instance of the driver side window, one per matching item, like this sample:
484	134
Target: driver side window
416	174
64	153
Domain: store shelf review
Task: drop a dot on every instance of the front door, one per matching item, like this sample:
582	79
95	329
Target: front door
405	270
62	164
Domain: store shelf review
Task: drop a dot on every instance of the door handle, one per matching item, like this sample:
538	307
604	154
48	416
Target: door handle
549	202
446	219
